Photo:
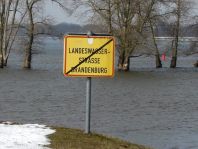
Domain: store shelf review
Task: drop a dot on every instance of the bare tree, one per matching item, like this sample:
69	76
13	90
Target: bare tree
157	54
104	11
156	16
33	7
30	4
125	19
179	13
176	34
9	26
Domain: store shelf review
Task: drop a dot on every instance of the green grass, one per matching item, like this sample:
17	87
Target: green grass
76	139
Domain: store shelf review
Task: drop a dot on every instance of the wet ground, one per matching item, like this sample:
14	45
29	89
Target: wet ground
154	107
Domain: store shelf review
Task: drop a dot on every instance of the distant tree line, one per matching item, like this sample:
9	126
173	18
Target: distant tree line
162	30
59	30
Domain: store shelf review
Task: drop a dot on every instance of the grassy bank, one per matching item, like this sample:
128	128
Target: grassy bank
76	139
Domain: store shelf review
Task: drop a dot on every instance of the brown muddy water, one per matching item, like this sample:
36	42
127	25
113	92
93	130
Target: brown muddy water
154	107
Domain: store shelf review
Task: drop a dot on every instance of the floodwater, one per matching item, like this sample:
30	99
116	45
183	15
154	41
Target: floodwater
153	107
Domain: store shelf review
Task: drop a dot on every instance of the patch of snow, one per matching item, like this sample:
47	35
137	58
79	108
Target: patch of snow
27	136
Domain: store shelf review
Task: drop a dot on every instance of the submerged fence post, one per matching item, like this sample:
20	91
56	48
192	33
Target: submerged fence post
88	105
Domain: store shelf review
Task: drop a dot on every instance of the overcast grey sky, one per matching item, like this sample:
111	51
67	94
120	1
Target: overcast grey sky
59	15
56	12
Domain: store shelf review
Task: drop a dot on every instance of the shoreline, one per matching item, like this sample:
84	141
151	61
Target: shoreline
16	135
69	138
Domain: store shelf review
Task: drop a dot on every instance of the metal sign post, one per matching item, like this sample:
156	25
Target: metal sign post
88	55
88	100
88	105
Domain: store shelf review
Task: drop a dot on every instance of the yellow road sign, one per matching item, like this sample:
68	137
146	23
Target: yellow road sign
88	56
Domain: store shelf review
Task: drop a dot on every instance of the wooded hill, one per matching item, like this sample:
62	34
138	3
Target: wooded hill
61	29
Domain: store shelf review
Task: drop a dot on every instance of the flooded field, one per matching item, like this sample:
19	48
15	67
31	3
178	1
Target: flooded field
154	107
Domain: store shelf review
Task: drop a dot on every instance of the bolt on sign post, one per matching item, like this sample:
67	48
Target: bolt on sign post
88	55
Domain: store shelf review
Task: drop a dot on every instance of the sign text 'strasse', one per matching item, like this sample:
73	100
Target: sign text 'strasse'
88	56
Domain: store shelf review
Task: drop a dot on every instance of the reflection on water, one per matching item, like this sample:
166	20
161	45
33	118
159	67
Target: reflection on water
154	107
